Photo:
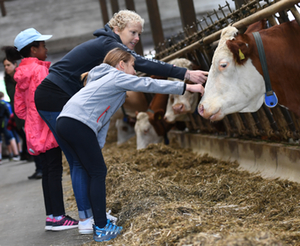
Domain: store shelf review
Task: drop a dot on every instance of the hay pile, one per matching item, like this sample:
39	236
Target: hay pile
165	195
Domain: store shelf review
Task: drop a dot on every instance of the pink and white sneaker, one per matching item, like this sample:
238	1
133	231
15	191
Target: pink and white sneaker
49	223
64	224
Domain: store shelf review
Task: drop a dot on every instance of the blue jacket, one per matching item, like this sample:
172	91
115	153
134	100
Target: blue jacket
104	94
66	72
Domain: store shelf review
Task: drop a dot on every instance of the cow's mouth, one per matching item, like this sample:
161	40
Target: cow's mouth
217	116
211	116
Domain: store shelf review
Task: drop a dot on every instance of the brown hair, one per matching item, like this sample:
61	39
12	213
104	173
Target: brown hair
116	55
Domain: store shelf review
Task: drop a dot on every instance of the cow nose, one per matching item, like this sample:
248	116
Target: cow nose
201	110
177	108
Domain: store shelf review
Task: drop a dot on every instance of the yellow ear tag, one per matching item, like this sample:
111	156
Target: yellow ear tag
159	117
242	56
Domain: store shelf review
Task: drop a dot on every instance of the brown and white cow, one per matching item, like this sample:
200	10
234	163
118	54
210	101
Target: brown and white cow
180	105
235	82
164	112
125	117
150	126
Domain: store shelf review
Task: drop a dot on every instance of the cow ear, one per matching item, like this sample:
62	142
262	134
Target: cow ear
239	50
159	115
257	26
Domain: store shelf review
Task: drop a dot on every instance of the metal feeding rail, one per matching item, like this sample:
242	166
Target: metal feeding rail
277	124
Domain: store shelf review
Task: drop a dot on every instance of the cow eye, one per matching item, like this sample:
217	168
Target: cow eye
171	99
223	65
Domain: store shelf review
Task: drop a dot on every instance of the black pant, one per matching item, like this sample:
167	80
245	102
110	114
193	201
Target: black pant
38	163
52	181
84	146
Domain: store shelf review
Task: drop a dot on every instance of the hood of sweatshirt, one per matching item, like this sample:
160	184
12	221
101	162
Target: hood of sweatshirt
27	72
99	71
107	31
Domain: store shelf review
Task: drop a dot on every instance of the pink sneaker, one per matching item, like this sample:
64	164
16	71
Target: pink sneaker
49	223
64	224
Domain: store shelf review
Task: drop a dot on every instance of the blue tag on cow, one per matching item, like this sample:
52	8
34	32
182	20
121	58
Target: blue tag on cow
271	99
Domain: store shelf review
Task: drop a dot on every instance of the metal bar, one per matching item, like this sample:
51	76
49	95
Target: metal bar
270	118
295	14
288	118
264	13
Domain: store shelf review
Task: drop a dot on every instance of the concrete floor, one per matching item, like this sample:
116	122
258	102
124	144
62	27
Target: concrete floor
22	210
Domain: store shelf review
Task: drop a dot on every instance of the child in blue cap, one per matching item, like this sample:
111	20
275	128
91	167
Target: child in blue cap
29	45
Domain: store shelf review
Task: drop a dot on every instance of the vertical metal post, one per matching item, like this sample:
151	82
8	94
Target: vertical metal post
114	6
104	12
155	22
187	13
139	47
239	3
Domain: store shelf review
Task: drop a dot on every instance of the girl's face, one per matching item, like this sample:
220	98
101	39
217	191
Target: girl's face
40	52
130	36
9	67
127	67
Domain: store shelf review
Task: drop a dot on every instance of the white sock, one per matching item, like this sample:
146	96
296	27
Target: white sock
58	217
86	221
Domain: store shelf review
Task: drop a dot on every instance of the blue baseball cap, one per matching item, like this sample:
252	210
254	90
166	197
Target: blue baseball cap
27	37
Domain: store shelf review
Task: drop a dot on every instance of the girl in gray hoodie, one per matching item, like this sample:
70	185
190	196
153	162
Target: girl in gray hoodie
84	120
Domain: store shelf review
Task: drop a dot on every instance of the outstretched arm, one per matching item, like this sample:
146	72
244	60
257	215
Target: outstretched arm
196	76
195	88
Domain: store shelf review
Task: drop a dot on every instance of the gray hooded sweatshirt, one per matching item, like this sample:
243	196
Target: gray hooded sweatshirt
104	94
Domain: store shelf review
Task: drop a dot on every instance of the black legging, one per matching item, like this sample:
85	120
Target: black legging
52	187
84	146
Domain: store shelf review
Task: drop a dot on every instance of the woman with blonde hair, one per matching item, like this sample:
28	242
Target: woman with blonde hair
122	31
84	120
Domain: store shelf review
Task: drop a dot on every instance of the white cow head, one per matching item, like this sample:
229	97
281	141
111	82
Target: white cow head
233	84
125	131
145	133
180	105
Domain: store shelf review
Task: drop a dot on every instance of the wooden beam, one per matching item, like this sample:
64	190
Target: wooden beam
155	22
3	10
187	13
114	6
130	4
104	12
